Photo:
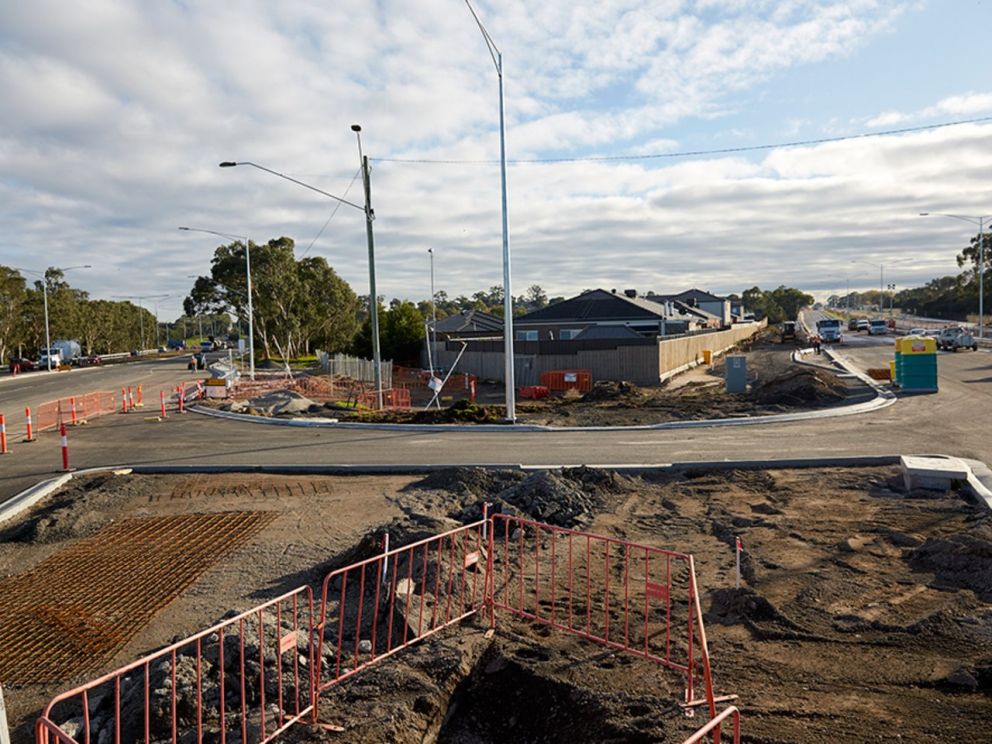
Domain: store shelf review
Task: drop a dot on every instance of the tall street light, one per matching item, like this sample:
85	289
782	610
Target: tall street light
251	314
881	281
433	340
44	288
497	56
369	217
980	221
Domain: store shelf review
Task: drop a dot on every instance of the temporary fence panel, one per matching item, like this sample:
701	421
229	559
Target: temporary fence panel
630	597
46	416
244	680
395	398
341	365
714	725
376	607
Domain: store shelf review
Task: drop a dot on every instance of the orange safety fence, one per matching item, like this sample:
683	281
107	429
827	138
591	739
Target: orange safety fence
567	379
391	398
714	725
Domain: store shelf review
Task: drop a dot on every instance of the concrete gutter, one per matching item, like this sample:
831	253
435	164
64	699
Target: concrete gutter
28	498
979	473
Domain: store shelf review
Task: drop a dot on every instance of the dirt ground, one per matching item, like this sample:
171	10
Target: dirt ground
865	612
777	385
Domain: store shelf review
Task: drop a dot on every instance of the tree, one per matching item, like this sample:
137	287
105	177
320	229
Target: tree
780	304
535	297
403	334
13	296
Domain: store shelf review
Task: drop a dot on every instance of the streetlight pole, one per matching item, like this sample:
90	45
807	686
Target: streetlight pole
497	58
44	290
433	340
980	221
369	217
251	314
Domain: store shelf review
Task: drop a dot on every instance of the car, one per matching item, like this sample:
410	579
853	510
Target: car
852	324
90	361
20	364
917	332
863	324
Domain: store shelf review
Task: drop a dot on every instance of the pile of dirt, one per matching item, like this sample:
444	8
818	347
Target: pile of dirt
565	498
610	390
800	386
960	561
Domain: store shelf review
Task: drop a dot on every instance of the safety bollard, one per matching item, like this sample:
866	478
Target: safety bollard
161	400
64	440
27	416
181	395
72	410
130	398
199	390
123	400
141	398
3	436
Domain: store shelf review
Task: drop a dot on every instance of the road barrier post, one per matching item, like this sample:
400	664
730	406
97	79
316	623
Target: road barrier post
161	400
130	398
181	393
64	440
141	397
72	410
27	416
3	436
123	400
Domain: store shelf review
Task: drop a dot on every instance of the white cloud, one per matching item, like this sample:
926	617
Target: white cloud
968	104
116	114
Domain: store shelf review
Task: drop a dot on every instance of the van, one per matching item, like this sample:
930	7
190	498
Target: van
878	328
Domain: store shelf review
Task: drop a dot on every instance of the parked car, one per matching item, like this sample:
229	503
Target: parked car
90	361
20	364
863	324
852	324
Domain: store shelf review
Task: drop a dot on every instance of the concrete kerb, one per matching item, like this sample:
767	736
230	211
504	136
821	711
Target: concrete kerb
978	472
31	496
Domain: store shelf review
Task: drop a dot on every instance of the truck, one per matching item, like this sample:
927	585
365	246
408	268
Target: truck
828	329
788	331
954	338
878	327
63	351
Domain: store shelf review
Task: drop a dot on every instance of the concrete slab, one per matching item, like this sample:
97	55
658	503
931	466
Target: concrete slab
932	473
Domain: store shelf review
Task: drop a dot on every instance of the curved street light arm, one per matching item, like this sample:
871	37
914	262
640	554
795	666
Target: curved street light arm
231	164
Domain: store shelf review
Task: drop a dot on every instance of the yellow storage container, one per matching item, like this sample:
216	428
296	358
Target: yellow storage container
707	356
892	370
917	345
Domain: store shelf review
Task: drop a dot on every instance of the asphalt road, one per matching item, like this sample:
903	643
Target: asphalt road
953	421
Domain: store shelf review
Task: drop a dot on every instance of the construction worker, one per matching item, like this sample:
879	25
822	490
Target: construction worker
816	343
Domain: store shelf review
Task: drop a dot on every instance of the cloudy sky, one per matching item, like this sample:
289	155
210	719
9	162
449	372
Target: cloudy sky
114	115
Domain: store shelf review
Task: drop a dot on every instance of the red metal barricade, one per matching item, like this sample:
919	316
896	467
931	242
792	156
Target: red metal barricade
713	725
391	398
633	598
374	608
568	379
259	664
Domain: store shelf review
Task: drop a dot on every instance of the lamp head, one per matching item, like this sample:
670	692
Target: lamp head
924	214
228	164
184	228
356	127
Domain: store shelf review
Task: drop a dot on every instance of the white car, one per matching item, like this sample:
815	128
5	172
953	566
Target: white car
917	332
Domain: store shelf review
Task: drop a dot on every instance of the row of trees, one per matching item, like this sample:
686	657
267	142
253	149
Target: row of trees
101	326
777	305
951	297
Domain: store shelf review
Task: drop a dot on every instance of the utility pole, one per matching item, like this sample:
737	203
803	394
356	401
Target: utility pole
374	299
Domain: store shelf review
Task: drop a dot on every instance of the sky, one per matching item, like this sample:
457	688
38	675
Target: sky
114	116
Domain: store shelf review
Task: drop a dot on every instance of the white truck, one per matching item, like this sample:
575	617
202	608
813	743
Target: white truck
828	329
63	351
878	327
954	338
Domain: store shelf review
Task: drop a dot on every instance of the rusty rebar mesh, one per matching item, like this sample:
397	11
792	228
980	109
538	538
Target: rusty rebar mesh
75	609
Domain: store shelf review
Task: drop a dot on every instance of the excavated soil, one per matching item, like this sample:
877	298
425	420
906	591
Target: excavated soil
865	611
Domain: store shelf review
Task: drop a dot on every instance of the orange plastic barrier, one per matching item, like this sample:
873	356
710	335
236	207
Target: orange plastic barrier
567	379
391	398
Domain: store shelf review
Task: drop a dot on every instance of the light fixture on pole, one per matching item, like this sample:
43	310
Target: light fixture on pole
251	314
369	217
44	289
980	221
497	57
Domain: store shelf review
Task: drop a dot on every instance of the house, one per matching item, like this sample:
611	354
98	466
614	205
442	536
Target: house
697	298
602	314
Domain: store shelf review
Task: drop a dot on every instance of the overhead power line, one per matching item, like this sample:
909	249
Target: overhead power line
694	153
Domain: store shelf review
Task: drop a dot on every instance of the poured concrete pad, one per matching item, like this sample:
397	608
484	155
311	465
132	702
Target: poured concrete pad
932	473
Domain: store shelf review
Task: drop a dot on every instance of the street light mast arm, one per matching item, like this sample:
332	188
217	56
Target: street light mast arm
490	44
231	164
